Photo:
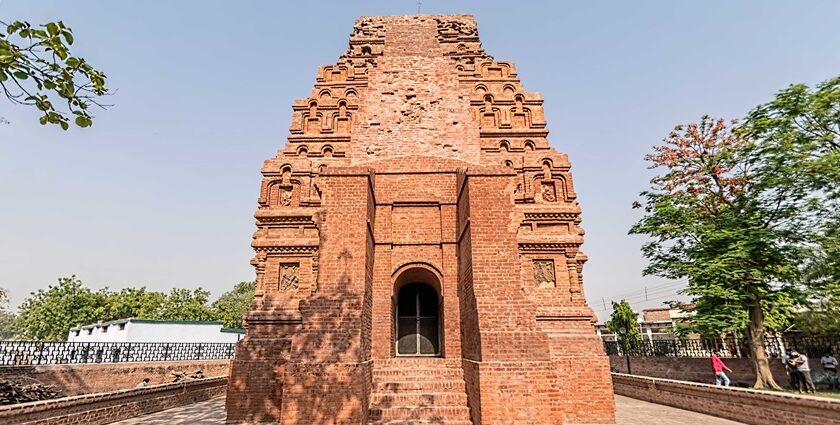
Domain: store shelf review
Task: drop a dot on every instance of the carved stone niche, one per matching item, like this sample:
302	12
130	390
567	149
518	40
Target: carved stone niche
548	192
281	195
289	276
544	274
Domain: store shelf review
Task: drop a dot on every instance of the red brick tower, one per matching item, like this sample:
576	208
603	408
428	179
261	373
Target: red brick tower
417	250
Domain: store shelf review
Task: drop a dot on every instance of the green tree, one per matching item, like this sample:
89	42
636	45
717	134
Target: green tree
733	228
183	304
624	323
132	302
713	316
8	327
823	315
822	272
799	135
38	69
49	314
232	305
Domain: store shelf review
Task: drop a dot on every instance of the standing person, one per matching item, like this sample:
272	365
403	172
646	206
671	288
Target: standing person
804	369
790	368
829	365
719	366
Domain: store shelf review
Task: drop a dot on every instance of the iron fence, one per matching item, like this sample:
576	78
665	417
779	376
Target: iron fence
43	352
775	346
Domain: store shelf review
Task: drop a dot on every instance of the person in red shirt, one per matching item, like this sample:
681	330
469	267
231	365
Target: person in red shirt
719	366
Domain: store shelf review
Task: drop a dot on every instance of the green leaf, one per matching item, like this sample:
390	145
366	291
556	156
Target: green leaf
68	36
43	120
64	125
52	28
20	75
83	121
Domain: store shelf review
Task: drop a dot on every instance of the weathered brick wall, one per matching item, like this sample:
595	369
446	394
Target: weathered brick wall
739	404
103	377
103	408
419	158
514	355
698	369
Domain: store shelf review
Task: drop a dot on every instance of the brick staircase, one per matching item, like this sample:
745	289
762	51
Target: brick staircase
418	391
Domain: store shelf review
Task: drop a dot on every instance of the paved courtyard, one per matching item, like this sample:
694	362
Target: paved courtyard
629	412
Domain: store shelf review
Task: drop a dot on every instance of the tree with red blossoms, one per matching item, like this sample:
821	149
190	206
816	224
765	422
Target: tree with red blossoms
718	218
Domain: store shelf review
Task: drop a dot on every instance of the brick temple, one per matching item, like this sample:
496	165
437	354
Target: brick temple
418	248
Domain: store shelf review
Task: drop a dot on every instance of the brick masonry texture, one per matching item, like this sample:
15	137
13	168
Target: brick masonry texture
419	158
740	404
96	378
698	369
103	408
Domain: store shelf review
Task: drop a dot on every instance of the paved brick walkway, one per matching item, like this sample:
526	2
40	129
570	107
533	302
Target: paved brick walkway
204	412
629	412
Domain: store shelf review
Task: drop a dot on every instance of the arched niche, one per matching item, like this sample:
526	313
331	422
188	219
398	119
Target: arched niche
529	145
417	312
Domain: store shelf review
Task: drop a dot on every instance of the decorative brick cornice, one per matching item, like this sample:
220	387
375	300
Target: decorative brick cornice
517	132
551	216
286	220
287	250
546	247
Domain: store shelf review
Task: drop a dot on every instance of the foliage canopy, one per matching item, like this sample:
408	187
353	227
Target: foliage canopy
232	305
736	209
624	323
48	314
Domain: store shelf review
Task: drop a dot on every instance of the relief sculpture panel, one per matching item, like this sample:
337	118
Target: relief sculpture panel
544	273
289	276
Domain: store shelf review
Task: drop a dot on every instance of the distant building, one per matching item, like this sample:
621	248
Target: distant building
655	323
142	330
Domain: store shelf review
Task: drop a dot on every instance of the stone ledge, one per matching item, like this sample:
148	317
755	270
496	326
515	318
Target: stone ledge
102	408
89	378
739	404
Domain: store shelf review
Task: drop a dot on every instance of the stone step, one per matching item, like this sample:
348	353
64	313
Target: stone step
432	386
388	399
419	373
420	412
400	362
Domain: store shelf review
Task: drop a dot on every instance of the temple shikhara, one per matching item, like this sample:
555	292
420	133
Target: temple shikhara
418	248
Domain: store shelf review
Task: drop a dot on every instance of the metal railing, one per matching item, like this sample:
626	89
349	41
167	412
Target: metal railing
44	353
775	346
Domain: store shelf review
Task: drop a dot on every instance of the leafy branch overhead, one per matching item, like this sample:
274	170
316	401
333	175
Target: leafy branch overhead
38	69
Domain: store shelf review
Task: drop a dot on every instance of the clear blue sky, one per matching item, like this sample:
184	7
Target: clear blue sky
161	190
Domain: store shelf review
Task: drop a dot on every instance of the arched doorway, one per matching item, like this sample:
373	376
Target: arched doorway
417	320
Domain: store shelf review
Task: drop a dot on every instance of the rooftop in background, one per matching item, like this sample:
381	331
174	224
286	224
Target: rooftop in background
666	314
136	320
654	322
145	330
